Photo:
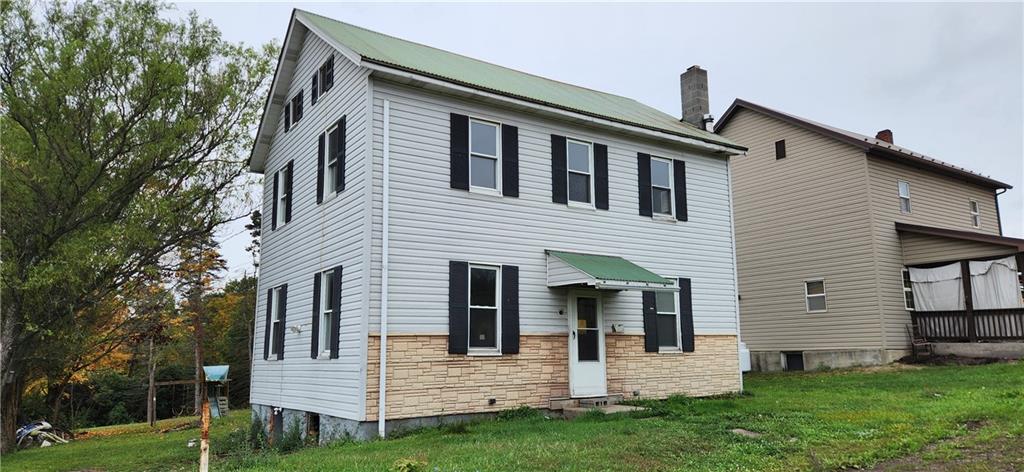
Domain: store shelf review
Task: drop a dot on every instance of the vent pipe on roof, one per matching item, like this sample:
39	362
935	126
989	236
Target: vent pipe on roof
694	87
885	135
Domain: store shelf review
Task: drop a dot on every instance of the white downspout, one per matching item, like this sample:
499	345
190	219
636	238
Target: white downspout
735	268
385	190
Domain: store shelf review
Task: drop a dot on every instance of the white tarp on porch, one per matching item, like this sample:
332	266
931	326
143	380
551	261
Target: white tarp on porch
994	284
937	288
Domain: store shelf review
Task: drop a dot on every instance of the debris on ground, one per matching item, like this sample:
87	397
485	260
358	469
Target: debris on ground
949	359
745	432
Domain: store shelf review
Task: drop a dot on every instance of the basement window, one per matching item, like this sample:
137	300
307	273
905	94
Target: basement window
814	294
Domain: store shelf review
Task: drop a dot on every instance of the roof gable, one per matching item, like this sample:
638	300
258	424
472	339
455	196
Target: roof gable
869	145
366	47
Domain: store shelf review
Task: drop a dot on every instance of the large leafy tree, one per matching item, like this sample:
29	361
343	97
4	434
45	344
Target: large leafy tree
124	136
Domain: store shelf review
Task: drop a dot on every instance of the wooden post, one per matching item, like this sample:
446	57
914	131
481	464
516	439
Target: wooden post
151	392
965	275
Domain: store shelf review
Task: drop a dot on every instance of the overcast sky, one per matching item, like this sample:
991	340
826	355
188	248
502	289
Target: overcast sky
946	78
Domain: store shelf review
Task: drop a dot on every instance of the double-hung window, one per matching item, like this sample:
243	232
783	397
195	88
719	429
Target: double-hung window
484	309
814	295
661	186
331	159
326	75
484	159
668	319
904	189
283	176
275	320
580	162
975	214
908	291
326	310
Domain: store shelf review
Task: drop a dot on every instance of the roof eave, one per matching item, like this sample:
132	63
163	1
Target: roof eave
465	87
959	234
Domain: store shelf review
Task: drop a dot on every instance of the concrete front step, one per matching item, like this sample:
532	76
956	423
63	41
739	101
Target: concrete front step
558	404
570	413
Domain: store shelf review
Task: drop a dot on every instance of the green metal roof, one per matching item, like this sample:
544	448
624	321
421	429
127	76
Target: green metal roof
398	53
609	268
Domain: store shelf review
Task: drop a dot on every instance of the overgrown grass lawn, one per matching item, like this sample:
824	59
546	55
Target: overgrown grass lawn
806	421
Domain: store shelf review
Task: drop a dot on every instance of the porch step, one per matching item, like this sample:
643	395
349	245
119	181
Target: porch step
561	404
570	413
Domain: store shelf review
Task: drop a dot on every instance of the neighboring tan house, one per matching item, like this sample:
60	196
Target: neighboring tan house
827	221
511	240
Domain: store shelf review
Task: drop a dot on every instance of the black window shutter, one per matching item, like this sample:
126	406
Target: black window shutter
339	169
559	170
650	323
314	345
459	151
282	305
288	191
273	203
336	313
328	70
458	307
780	149
509	309
287	117
686	314
314	91
600	176
266	326
297	107
320	169
643	169
509	161
679	175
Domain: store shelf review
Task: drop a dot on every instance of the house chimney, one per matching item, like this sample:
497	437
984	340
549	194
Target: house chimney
694	86
885	135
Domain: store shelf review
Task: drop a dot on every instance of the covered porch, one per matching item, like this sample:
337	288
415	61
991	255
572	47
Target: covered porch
962	286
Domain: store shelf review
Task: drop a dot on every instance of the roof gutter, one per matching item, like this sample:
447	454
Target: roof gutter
399	72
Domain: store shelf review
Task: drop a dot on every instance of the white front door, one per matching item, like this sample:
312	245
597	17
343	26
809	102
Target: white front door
586	346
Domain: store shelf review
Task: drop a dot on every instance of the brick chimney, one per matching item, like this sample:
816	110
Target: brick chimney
885	135
694	86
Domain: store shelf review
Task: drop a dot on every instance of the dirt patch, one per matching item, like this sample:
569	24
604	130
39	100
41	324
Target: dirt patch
967	453
950	359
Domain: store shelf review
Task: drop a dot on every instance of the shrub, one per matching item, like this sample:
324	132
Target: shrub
119	415
257	436
518	413
291	440
408	465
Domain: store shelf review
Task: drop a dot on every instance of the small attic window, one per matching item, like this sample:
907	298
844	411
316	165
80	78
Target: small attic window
780	149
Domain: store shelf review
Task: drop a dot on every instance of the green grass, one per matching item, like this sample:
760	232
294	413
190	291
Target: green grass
808	421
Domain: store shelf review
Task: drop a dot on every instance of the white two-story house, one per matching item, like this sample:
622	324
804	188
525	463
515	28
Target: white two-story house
445	237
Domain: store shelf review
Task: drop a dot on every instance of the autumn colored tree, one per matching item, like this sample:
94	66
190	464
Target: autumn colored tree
125	135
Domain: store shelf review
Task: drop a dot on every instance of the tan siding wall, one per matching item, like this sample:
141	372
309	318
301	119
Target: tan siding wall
923	249
802	217
936	200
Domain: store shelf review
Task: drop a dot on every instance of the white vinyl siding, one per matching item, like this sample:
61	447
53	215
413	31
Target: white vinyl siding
432	224
318	238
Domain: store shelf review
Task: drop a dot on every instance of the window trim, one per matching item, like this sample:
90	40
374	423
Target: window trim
484	351
324	335
906	289
671	188
497	157
275	317
590	174
281	196
975	209
823	295
899	192
679	325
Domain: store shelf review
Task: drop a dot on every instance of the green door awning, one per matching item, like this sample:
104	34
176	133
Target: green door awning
602	272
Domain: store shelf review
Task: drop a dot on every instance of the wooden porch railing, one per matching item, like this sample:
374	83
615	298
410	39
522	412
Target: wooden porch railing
971	325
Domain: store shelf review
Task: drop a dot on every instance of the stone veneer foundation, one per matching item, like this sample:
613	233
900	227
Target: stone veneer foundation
424	380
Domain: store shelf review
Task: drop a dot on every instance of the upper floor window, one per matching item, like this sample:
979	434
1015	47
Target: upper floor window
814	295
332	173
904	191
484	139
326	75
484	311
780	149
293	111
975	214
908	291
580	163
282	197
661	186
668	319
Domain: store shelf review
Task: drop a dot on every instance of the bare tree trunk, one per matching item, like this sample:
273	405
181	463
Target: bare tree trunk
151	392
12	387
197	340
204	438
